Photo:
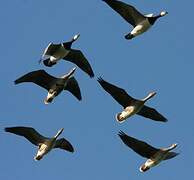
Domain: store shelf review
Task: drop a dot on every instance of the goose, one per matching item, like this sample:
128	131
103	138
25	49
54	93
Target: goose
53	85
154	155
54	52
45	144
131	105
141	23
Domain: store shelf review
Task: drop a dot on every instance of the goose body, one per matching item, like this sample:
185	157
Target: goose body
60	53
44	144
154	155
55	52
131	105
53	85
141	23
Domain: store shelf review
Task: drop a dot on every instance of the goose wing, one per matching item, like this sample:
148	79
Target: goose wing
51	49
73	87
140	147
64	144
39	77
128	12
152	114
78	58
120	95
29	133
171	155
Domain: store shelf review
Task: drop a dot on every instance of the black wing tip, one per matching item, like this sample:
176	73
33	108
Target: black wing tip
71	150
91	74
100	80
79	98
6	129
16	81
121	134
164	120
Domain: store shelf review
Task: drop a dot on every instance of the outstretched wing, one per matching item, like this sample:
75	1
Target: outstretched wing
39	77
64	144
78	58
171	155
120	95
128	12
73	87
151	113
29	133
140	147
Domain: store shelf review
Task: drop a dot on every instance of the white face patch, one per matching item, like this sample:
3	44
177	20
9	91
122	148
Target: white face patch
163	13
76	37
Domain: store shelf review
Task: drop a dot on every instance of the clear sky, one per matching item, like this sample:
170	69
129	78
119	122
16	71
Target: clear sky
161	60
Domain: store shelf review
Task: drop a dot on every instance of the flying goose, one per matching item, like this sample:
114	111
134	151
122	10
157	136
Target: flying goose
141	23
54	52
53	85
154	155
131	105
44	144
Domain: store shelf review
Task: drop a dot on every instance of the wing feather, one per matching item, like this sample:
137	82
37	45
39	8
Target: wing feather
151	113
78	58
29	133
140	147
39	77
120	95
64	144
128	12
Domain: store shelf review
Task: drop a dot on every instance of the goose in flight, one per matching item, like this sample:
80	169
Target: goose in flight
154	155
44	144
141	23
131	105
54	52
53	85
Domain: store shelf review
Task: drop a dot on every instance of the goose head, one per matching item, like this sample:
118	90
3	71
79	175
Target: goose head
58	133
163	13
173	146
76	37
150	95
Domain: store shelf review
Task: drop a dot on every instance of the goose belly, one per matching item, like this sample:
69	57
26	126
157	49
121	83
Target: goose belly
155	160
128	112
43	150
59	54
141	28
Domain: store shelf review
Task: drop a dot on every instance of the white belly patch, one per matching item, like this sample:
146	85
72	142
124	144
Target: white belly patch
141	28
61	53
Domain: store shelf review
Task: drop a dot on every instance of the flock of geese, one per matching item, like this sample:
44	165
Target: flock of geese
131	106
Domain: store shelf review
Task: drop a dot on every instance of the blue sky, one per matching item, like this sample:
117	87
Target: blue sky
161	60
